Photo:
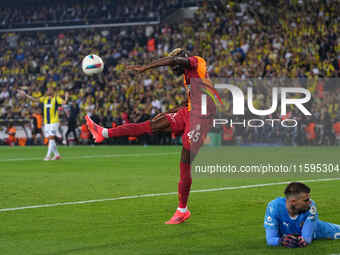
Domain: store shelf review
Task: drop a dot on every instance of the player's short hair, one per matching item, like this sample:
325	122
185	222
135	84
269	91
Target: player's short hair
296	188
178	52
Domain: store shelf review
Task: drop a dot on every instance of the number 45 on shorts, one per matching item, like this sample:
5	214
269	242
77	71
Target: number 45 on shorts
195	134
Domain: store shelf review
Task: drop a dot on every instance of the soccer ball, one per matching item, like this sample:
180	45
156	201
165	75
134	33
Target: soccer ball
92	64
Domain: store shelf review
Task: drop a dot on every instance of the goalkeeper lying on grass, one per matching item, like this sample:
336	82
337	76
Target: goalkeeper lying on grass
293	221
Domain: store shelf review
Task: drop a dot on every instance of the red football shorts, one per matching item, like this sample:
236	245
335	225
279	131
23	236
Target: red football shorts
193	128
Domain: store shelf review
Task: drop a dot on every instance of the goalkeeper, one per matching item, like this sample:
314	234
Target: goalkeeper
293	221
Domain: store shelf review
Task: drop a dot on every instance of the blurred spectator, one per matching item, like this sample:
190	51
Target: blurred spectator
28	134
336	128
84	133
30	14
71	117
37	132
11	131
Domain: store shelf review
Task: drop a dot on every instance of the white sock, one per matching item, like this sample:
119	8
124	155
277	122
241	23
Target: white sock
105	132
49	150
182	210
54	148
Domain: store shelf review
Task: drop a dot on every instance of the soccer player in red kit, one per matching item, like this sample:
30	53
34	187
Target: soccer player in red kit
184	120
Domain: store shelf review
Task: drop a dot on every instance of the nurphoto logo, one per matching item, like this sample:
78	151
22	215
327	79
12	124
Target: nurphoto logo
277	92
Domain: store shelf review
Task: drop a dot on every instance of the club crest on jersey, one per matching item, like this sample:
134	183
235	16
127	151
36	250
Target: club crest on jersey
312	210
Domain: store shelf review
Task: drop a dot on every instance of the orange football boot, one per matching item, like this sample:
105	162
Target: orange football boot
179	217
95	130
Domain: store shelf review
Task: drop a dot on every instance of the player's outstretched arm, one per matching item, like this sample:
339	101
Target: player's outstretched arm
66	98
23	94
272	237
309	226
289	241
63	101
166	61
307	232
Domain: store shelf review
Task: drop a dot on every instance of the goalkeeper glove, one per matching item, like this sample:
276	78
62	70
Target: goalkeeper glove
301	242
289	241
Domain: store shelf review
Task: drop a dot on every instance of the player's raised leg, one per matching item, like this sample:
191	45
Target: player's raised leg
131	129
95	129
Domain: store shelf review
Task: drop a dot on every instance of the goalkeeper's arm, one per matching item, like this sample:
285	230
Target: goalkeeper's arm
308	230
272	237
289	240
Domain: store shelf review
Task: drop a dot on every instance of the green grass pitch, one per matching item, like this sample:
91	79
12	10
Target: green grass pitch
222	222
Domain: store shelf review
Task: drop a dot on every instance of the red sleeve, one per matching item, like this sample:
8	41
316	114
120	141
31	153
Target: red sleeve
193	62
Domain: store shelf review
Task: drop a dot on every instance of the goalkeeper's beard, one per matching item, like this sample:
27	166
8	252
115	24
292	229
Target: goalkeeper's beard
298	211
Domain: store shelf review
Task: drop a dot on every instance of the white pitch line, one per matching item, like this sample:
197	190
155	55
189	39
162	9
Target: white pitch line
95	156
161	194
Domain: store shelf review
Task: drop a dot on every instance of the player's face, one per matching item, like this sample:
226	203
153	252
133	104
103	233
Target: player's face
50	92
302	203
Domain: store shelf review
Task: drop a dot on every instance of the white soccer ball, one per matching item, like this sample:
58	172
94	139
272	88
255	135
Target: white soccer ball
92	64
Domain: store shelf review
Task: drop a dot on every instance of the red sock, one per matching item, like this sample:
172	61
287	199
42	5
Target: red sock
184	184
131	129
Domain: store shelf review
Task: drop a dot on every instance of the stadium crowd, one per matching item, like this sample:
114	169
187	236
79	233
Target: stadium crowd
75	12
254	39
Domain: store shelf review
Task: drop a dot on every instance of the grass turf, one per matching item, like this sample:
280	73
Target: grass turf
223	222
